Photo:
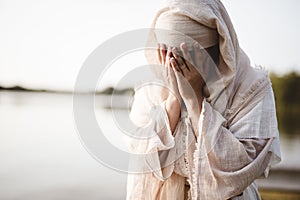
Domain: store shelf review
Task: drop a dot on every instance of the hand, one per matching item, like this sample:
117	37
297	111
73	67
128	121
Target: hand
190	81
187	72
173	101
164	57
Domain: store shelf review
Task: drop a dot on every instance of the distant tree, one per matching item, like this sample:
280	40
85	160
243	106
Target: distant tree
287	96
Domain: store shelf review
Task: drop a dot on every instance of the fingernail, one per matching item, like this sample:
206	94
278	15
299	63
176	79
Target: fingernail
196	45
174	49
183	45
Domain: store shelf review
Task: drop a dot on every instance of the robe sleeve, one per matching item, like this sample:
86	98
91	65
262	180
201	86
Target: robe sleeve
152	136
228	159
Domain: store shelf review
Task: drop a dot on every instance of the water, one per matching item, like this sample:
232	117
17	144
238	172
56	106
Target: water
41	156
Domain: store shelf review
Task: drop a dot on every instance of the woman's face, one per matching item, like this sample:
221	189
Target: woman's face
209	67
212	51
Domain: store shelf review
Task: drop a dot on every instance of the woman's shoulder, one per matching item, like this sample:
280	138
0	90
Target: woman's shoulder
250	89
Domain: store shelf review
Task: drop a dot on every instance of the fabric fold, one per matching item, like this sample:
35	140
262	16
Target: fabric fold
222	159
161	161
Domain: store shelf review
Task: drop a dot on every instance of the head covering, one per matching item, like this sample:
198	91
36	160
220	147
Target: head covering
211	19
182	26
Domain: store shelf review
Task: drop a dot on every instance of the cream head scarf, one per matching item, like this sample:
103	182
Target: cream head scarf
171	20
205	22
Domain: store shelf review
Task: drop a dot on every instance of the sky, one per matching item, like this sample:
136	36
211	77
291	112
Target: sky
43	44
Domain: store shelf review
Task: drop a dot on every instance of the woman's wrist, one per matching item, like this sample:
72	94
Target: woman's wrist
194	104
172	99
173	111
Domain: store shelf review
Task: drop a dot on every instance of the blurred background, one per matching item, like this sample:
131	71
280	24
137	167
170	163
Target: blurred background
43	46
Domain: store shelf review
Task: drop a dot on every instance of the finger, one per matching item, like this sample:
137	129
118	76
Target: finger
167	63
173	83
158	53
163	51
186	55
169	70
169	53
199	55
180	64
174	65
172	80
178	58
165	70
179	76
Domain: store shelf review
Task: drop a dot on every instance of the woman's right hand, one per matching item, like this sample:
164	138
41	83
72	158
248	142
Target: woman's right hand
173	101
165	55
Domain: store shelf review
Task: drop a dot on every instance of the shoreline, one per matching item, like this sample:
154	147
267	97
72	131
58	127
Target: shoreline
283	180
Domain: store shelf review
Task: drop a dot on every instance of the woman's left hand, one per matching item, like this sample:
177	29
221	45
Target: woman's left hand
190	82
189	79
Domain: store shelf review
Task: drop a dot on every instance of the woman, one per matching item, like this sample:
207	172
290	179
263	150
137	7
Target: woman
213	127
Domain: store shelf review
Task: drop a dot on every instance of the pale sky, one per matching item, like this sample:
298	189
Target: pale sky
43	43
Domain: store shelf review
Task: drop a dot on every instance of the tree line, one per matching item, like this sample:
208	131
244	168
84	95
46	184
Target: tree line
287	97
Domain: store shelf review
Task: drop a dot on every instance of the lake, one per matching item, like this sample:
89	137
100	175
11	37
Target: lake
42	156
